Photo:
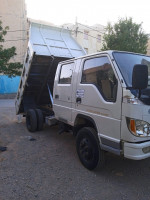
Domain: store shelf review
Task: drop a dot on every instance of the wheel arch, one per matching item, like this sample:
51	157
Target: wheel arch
83	121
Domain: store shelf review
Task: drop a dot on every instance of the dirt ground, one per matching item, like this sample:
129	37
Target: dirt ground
48	168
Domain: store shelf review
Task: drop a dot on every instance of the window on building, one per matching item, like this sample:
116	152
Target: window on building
86	35
98	38
99	72
66	73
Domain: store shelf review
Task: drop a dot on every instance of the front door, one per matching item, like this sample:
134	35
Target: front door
99	95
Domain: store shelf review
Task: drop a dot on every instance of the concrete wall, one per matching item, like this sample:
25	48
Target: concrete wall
9	85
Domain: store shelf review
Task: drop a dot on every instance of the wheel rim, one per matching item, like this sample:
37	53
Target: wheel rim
86	150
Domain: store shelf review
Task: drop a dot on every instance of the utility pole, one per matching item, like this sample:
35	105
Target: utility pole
76	27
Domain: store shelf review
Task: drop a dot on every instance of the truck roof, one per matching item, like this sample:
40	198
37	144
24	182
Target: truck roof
110	52
89	55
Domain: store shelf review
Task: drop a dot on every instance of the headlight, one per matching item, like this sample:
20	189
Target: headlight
138	127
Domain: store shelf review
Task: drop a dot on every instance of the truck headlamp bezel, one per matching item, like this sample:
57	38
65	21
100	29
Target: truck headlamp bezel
138	127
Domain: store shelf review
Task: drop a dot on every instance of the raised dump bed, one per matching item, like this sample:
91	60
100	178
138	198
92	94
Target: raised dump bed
47	46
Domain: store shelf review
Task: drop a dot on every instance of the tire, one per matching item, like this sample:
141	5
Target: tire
31	120
88	148
40	119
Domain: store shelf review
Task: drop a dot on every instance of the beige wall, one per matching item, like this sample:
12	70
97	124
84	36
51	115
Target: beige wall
89	42
148	48
13	14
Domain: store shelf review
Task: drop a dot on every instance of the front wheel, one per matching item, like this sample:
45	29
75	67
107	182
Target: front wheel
88	149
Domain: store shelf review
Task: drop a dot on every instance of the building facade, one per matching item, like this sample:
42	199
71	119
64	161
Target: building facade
13	15
89	37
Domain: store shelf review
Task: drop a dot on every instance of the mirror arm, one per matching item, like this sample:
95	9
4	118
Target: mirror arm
131	88
139	93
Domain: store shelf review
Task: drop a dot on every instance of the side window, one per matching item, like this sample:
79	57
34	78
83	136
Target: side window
66	73
98	71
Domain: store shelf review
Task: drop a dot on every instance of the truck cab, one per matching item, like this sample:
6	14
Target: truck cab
96	95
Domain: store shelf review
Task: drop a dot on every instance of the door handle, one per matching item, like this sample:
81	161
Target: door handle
56	96
78	100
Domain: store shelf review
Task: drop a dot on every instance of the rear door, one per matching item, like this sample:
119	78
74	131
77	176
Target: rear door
63	92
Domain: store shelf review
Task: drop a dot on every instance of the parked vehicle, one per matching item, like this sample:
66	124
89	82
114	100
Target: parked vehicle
104	98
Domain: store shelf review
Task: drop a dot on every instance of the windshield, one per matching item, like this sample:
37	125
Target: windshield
126	62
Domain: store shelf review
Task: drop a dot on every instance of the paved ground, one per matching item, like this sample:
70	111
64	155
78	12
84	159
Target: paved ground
49	169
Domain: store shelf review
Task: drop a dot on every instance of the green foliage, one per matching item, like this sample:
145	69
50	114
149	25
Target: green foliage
6	67
125	35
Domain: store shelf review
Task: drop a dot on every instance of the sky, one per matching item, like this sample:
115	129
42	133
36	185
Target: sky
90	12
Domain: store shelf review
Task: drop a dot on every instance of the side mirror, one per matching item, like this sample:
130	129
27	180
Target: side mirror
140	77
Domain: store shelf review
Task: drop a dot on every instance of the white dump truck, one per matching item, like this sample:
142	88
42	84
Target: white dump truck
103	98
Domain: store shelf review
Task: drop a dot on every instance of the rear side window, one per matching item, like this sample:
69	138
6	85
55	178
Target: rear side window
66	73
99	72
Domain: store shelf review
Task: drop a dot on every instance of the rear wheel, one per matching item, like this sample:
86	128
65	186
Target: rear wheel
88	149
40	119
31	120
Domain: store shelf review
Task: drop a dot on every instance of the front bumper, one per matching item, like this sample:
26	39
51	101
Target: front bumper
136	151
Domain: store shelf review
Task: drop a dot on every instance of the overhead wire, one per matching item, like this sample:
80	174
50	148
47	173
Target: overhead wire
91	28
75	31
88	35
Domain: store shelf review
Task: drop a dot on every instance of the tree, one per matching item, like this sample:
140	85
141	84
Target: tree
6	67
125	35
